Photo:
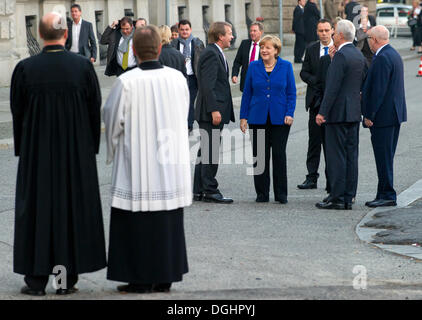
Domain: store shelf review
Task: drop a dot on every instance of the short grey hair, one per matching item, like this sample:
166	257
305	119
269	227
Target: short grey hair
347	28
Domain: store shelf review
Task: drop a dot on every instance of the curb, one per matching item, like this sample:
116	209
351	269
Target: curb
405	198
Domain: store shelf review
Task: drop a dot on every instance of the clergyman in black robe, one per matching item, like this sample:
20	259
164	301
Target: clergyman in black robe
55	103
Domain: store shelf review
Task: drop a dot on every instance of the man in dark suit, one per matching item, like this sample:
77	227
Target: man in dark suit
298	28
309	74
350	10
248	51
191	48
384	109
311	16
119	38
341	112
81	39
214	108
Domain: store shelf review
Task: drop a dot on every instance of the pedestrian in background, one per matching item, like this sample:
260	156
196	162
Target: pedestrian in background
384	109
55	99
330	10
169	56
248	51
174	32
81	38
311	16
268	105
298	27
365	23
141	22
120	56
147	141
415	24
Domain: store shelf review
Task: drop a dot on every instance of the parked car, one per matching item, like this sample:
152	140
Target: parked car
394	17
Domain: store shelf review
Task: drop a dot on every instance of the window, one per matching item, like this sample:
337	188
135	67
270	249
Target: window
385	12
403	12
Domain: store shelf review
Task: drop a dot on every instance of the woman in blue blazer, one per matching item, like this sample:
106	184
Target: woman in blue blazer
268	105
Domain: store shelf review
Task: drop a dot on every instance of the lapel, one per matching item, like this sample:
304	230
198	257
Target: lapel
81	32
221	56
275	70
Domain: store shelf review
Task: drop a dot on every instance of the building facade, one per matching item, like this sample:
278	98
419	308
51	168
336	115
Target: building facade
19	20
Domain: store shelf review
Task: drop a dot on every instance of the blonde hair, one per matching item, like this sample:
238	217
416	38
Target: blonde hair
165	34
275	41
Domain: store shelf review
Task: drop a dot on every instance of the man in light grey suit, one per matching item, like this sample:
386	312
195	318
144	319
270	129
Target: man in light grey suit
81	39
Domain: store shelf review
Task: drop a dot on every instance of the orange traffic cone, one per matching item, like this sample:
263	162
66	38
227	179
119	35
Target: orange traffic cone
420	69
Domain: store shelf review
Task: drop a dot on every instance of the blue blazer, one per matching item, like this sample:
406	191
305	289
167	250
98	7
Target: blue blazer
263	94
383	100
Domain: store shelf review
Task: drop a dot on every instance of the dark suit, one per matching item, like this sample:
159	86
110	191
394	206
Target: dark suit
242	61
87	43
349	10
172	58
213	95
298	27
111	37
341	109
197	46
309	75
384	104
311	16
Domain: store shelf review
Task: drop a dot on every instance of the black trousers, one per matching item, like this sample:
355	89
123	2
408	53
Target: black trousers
193	90
416	36
300	46
275	141
342	145
40	282
384	143
206	167
315	141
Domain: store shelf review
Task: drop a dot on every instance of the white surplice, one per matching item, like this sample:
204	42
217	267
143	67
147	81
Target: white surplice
145	117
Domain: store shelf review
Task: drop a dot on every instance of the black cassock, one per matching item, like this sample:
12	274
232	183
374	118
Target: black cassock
55	101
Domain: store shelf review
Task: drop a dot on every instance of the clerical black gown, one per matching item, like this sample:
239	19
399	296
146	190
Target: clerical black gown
55	102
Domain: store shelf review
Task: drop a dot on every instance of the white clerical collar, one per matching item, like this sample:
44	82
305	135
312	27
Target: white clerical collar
344	44
79	23
378	51
329	45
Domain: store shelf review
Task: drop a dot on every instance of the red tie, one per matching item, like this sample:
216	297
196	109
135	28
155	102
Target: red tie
253	53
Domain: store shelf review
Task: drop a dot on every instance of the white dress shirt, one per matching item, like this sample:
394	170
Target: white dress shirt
321	49
188	62
131	59
76	31
256	51
378	51
344	44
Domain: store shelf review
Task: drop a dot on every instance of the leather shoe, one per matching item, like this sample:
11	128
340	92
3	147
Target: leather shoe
348	206
32	292
161	287
282	200
62	292
262	198
217	198
197	196
331	205
307	184
381	203
327	199
135	288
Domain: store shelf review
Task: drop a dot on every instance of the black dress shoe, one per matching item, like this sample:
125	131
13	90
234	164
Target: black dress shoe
327	199
62	292
381	203
135	288
32	292
262	198
197	196
217	198
161	287
348	206
282	200
331	205
307	184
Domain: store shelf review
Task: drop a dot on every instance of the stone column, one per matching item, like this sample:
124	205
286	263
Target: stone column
115	11
195	17
142	9
8	54
21	46
217	11
239	20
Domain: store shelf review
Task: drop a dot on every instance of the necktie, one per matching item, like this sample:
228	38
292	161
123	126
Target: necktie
253	53
325	51
125	61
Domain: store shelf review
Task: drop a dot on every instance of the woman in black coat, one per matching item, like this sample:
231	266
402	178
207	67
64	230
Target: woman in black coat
169	56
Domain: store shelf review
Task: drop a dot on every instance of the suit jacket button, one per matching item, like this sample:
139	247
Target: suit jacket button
268	95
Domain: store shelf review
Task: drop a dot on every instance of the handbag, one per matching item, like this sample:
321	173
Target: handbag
412	22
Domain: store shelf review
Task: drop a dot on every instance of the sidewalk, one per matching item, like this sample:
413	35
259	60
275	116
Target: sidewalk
402	44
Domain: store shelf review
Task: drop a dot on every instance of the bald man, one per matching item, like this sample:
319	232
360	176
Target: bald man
384	109
55	103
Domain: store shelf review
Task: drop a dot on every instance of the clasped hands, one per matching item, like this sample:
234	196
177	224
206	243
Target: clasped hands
244	123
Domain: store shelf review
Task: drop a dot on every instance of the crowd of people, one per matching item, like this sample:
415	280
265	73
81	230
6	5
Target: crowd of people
164	83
